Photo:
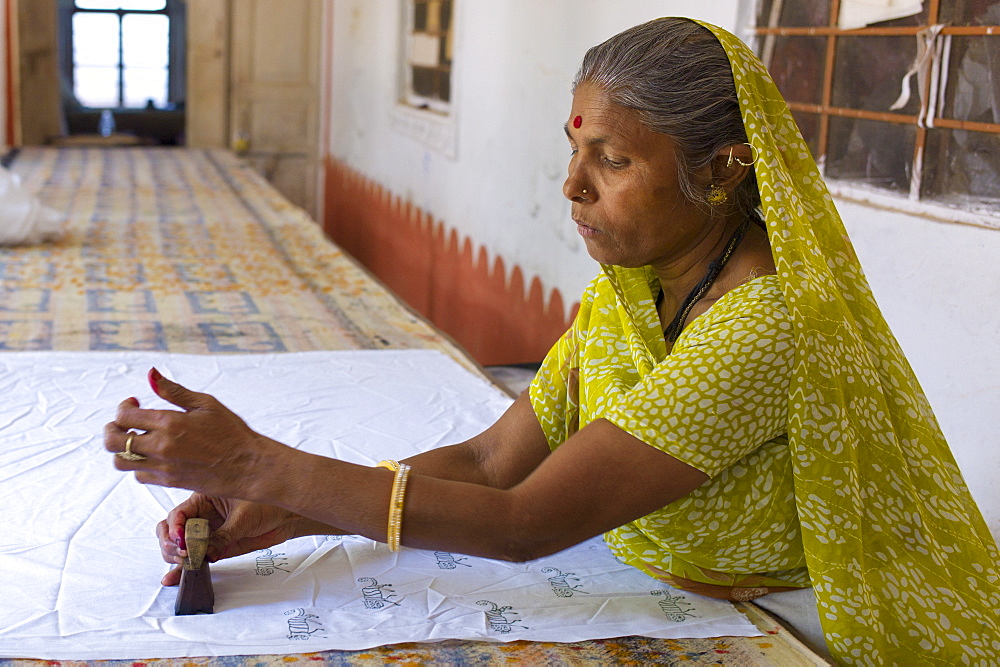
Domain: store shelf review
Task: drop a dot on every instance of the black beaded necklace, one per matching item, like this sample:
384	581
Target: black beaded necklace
673	329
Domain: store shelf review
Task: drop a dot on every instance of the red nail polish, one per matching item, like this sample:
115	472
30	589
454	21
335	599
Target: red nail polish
154	378
134	401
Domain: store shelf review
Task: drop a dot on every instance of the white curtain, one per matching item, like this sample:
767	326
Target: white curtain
859	13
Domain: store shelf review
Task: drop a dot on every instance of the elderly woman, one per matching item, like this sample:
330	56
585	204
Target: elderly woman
729	408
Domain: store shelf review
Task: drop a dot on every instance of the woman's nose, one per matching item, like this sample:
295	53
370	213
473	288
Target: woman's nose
575	187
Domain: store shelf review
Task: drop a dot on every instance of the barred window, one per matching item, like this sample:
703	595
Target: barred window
428	53
120	53
899	96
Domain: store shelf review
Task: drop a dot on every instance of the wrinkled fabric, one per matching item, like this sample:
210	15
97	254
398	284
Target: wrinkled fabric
23	218
902	562
83	566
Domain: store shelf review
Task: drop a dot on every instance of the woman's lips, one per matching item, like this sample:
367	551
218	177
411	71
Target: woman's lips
585	230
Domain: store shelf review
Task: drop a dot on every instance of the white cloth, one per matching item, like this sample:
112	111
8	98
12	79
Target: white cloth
23	219
82	566
860	13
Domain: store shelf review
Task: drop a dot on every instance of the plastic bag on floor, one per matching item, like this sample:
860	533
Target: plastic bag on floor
24	219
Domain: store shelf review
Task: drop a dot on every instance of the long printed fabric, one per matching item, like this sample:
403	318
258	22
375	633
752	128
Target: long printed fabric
902	562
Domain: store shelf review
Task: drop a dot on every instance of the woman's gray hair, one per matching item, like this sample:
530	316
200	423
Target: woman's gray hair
676	74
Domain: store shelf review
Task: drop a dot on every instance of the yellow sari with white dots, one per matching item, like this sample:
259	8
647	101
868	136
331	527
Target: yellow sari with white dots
904	568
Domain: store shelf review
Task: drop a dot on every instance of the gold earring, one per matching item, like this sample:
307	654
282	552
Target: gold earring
716	196
732	158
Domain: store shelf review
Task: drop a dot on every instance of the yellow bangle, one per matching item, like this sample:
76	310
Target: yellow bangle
395	527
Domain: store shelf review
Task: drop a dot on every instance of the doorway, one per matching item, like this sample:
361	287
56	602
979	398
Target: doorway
239	74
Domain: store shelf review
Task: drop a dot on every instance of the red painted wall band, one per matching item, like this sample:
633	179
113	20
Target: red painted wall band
484	306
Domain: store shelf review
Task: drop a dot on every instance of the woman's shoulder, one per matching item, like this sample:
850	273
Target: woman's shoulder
765	288
762	292
757	305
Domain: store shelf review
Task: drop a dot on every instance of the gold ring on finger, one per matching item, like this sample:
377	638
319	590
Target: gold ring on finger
128	454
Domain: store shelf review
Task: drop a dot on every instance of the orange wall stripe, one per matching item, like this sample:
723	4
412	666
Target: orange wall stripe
484	306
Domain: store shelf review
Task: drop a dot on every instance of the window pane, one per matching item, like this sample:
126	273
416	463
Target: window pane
444	86
148	5
424	80
797	68
95	39
918	19
445	14
420	16
145	40
795	13
980	12
959	165
872	152
444	52
433	16
869	73
974	79
449	41
143	84
424	50
96	86
763	12
98	4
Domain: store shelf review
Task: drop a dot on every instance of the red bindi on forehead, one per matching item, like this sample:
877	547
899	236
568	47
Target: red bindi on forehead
577	122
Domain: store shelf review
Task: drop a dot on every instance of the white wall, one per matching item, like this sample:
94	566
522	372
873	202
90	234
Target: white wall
938	284
515	62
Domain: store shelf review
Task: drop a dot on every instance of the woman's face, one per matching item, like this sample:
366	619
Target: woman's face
627	203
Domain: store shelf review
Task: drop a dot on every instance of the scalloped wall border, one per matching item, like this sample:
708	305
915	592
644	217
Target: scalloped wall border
483	304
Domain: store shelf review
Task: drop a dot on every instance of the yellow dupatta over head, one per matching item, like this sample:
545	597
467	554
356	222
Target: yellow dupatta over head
903	565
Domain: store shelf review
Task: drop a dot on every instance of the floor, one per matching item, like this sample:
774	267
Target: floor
515	378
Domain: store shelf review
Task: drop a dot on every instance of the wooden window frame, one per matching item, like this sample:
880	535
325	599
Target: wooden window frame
825	110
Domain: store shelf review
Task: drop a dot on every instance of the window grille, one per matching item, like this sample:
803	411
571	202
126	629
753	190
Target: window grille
900	96
120	53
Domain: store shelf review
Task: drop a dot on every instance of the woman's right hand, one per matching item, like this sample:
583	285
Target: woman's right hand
238	527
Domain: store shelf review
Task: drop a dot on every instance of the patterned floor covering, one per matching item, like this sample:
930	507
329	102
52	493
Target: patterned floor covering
186	251
191	251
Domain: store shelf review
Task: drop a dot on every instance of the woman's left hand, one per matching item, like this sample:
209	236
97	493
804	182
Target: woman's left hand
237	527
204	447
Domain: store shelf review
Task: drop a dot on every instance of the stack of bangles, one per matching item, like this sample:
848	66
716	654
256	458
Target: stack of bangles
396	501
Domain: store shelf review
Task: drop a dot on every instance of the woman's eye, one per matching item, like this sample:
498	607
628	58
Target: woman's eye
614	164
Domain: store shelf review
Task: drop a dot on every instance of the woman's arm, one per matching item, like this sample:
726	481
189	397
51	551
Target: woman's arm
499	457
599	479
500	495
